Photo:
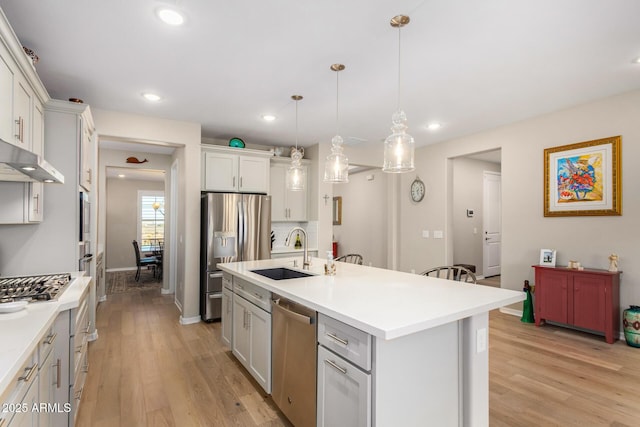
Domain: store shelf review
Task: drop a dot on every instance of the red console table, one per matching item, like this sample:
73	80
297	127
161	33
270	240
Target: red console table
588	299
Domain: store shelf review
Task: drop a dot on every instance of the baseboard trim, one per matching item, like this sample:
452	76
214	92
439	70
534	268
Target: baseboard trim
111	270
189	320
103	298
164	291
511	311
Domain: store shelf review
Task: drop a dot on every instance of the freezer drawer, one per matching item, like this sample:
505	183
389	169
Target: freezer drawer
213	306
214	281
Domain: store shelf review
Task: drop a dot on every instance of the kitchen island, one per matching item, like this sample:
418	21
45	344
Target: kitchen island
429	358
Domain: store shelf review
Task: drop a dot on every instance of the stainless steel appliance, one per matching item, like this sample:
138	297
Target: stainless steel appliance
234	227
294	347
33	288
18	164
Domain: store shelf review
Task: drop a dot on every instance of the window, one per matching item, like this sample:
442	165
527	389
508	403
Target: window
151	220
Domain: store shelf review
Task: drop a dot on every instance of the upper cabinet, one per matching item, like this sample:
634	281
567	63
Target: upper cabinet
235	170
286	205
86	146
22	96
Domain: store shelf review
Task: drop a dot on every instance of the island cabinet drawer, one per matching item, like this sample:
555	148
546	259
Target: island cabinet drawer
345	340
252	293
47	343
227	281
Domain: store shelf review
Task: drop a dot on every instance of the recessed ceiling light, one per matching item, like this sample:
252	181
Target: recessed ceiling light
636	61
151	97
434	126
268	117
121	175
170	16
28	168
48	180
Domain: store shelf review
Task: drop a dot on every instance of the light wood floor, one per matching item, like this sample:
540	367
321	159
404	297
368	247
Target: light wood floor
147	370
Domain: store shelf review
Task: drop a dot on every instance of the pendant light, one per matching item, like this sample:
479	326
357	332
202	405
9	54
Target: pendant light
296	175
336	169
399	146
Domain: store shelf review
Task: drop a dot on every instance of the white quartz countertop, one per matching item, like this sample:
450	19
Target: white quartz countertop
20	332
385	303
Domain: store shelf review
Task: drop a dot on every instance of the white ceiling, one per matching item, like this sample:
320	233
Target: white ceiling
470	65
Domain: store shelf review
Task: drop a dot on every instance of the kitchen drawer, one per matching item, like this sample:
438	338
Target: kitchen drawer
252	293
47	343
346	341
227	281
14	396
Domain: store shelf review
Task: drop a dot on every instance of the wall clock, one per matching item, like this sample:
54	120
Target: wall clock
418	190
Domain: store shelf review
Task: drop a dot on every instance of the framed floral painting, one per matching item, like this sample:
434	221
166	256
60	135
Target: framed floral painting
583	178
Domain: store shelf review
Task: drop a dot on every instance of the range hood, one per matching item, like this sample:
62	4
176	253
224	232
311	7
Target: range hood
18	164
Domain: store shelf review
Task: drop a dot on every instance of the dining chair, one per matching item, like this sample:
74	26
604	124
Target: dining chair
451	272
147	261
350	258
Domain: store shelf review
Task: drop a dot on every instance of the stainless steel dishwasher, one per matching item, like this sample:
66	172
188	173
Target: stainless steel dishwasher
294	348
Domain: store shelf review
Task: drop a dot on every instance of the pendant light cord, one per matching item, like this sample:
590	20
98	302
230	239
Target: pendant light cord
399	67
337	100
296	124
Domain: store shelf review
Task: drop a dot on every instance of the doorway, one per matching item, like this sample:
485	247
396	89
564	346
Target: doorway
468	208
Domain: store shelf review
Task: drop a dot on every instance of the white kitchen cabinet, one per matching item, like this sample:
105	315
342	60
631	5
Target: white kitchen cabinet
6	100
86	155
252	340
344	374
286	205
21	395
24	202
226	170
226	318
22	112
48	375
344	392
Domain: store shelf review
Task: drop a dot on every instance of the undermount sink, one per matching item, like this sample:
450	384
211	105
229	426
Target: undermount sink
281	273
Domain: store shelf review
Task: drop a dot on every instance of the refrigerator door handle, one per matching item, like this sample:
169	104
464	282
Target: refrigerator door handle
241	231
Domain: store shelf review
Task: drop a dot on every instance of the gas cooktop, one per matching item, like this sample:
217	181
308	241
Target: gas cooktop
33	288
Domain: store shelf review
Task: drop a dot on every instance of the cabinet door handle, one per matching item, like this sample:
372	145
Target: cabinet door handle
51	338
37	203
338	339
240	182
19	129
58	372
27	377
335	366
89	173
248	320
234	181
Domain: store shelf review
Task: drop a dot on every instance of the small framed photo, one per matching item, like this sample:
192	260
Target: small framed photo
548	257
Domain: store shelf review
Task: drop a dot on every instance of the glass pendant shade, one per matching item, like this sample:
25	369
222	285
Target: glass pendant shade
336	169
398	147
296	176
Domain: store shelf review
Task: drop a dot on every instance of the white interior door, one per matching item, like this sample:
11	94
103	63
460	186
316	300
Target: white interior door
492	223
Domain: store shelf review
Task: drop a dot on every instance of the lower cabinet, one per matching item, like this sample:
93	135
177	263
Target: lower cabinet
226	319
21	396
251	332
344	392
344	374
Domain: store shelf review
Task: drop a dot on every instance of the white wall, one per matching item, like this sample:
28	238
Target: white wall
468	194
525	230
364	217
185	136
122	220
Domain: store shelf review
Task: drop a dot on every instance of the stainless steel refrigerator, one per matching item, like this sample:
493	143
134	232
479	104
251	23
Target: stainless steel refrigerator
234	227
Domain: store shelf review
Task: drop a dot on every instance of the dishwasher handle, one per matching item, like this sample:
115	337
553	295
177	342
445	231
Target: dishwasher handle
292	314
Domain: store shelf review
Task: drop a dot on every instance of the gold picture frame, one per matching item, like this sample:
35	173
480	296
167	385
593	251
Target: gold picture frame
583	179
337	210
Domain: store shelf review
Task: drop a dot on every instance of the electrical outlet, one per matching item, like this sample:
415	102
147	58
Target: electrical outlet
438	234
481	340
425	234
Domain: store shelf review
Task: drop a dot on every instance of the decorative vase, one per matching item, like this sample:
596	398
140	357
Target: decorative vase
631	323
